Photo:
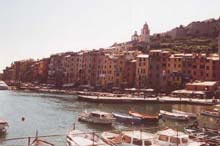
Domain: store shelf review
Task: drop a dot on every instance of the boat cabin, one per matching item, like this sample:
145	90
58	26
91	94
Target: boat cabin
100	114
170	137
138	138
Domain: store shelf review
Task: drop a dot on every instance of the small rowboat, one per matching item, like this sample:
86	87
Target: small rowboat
144	117
191	115
173	116
213	113
125	118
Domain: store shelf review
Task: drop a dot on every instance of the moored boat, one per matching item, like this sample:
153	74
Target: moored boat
212	113
190	115
79	138
97	117
170	137
125	118
210	136
174	116
3	86
144	117
3	126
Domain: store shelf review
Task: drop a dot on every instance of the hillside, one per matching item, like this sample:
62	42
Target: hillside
195	37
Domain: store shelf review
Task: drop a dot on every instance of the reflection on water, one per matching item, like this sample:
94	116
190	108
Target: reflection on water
55	114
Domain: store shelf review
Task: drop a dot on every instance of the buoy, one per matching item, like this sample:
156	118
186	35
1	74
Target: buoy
22	119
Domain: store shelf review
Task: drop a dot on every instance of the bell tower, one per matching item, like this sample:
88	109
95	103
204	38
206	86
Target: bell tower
145	34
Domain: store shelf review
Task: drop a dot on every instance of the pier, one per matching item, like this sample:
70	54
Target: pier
142	100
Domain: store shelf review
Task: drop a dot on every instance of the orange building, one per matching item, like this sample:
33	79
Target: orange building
142	70
202	86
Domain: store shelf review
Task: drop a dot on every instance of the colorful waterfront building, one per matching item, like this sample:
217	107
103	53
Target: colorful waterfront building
142	71
158	69
56	70
207	86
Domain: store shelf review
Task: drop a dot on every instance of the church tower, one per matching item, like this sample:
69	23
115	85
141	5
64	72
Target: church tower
135	36
145	34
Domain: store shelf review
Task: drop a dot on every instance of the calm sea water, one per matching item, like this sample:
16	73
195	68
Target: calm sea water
51	114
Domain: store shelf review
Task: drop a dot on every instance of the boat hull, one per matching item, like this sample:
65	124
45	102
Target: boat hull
127	118
86	117
173	116
210	114
145	118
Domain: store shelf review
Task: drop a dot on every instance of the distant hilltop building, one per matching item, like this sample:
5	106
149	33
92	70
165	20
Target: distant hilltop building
144	36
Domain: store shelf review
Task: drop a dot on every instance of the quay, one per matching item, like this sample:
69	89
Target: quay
142	100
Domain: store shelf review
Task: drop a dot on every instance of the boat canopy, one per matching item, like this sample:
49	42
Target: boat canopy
100	113
183	91
140	135
173	133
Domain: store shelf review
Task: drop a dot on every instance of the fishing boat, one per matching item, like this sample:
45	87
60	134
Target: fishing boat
97	117
170	137
144	117
174	116
3	126
138	138
125	118
79	138
210	136
212	113
190	115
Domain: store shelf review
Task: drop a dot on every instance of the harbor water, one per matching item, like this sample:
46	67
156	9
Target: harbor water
50	114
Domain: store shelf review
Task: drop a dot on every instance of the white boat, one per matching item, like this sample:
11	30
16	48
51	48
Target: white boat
3	86
174	116
190	115
3	126
79	138
171	137
139	138
97	117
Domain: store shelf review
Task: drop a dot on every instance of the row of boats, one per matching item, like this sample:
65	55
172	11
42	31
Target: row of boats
166	137
99	117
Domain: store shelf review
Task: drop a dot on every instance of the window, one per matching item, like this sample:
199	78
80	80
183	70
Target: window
163	138
174	140
184	140
194	73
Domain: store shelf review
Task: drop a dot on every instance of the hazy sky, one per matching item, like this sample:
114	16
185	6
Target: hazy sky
38	28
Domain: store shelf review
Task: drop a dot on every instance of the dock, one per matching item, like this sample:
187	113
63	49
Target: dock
142	100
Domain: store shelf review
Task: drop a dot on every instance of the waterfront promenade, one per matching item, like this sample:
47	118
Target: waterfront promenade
140	99
105	97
